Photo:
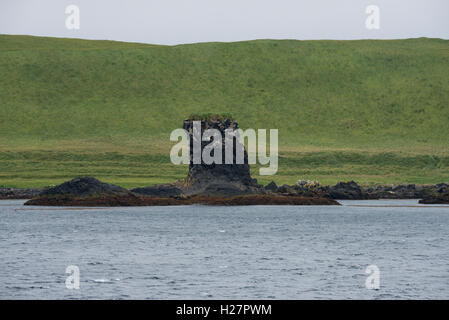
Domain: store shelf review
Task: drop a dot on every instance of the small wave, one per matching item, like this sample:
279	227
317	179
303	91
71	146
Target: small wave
206	294
102	280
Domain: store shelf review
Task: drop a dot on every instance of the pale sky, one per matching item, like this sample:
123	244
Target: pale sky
184	21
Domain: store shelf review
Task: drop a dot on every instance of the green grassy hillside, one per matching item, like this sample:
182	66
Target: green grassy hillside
368	110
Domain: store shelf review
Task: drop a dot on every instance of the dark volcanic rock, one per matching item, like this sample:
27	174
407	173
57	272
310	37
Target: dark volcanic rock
438	199
309	189
302	190
16	193
437	190
286	189
246	200
228	189
352	191
409	191
381	192
271	187
84	187
138	200
223	179
161	190
345	191
439	194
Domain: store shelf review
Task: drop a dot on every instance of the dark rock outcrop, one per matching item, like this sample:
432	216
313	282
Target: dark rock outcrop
409	191
309	189
286	189
352	191
342	190
83	190
271	187
138	200
218	179
438	199
406	191
16	193
84	187
438	195
345	191
160	190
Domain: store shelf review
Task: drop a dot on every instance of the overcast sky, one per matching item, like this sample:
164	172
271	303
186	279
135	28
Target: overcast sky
188	21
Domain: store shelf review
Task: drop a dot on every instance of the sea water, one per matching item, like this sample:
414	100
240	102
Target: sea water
213	252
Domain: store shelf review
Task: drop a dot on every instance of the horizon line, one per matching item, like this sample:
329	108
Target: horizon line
205	42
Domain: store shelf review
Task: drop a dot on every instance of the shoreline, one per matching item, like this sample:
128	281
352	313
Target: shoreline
139	200
429	194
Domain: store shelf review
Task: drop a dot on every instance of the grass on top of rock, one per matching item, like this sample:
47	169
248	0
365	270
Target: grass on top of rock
210	116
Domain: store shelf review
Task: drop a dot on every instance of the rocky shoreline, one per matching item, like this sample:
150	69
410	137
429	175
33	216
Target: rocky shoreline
88	191
437	193
19	194
340	191
173	194
219	184
139	200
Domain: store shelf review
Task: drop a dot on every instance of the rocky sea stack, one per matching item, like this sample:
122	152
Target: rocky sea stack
218	179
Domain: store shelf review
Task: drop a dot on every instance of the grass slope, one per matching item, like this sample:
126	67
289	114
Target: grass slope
368	110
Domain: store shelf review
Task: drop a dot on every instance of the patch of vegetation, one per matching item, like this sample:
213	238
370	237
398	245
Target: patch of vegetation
210	116
368	110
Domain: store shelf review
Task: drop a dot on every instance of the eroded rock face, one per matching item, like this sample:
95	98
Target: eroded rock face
84	187
223	179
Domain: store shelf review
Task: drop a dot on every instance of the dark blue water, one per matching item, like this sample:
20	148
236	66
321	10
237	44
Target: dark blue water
197	252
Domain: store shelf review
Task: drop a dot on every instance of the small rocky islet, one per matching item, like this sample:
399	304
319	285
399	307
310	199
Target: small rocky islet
207	184
219	184
88	191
